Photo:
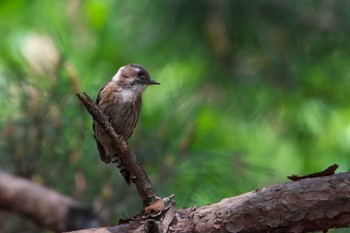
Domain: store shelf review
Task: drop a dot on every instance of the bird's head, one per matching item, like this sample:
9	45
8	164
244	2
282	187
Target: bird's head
134	76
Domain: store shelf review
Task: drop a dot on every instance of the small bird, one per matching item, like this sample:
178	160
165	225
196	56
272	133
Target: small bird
120	100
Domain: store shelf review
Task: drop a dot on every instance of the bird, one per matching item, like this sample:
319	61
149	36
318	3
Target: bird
120	100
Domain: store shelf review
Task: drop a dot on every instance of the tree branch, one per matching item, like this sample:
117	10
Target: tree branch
138	175
312	204
46	207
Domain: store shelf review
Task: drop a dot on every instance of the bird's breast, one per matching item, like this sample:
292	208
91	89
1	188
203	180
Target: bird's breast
130	94
126	95
123	112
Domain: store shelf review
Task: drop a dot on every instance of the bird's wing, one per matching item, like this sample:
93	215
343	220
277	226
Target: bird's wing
100	148
99	93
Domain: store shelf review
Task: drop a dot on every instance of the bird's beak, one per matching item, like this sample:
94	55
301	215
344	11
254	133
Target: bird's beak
152	82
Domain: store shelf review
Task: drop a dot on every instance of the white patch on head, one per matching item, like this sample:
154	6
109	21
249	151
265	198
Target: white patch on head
117	75
136	69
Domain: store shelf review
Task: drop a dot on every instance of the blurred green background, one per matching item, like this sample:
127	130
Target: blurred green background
251	92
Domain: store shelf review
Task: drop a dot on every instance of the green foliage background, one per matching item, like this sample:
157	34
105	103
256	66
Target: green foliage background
251	92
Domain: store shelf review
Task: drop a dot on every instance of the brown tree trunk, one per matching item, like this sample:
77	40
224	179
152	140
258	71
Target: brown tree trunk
46	207
312	204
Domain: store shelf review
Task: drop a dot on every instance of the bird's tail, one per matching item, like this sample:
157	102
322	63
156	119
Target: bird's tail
122	169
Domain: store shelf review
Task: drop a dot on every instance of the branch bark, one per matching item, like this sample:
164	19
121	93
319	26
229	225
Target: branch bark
138	175
46	207
312	204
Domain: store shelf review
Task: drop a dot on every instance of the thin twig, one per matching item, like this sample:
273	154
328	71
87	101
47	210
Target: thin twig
327	172
138	175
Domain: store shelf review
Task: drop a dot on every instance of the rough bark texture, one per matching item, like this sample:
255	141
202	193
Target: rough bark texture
46	207
312	204
138	175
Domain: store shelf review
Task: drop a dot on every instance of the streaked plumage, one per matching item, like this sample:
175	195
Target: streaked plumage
120	99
